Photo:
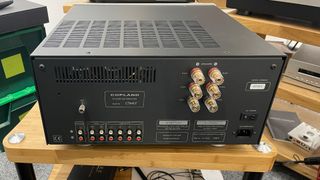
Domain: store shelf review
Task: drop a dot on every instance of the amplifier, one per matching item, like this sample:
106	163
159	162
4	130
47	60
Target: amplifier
154	74
303	68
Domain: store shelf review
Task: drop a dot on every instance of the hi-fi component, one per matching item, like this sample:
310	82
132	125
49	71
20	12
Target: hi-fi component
305	136
156	74
303	69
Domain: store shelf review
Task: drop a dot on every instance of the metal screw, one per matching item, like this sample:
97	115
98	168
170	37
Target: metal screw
42	66
273	66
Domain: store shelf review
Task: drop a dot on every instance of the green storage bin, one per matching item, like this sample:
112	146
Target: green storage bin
17	90
15	64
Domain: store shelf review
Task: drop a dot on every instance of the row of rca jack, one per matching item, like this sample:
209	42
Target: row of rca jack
111	135
212	88
120	135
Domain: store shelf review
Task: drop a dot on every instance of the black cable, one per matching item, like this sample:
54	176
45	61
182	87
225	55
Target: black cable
295	45
162	175
153	173
141	174
310	161
306	161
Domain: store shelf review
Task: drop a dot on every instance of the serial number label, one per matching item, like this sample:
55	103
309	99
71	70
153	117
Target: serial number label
124	99
258	86
208	137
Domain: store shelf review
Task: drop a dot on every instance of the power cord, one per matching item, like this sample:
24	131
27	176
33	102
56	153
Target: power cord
162	175
306	161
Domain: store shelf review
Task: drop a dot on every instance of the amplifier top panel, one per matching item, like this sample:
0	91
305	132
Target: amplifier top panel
151	30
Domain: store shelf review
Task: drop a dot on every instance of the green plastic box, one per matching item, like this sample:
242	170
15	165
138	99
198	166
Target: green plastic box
17	90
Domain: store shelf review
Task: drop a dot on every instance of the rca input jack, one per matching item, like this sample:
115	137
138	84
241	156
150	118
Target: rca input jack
216	76
195	90
110	131
139	132
194	104
92	138
211	104
101	131
102	138
129	131
80	131
129	138
139	138
91	132
197	76
81	138
213	90
110	138
120	138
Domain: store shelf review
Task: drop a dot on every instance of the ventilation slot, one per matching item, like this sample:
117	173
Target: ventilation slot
131	38
131	34
184	35
166	36
77	34
201	34
148	34
93	39
104	74
113	35
59	34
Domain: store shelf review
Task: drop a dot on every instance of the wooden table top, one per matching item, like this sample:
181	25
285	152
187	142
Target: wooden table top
280	28
33	149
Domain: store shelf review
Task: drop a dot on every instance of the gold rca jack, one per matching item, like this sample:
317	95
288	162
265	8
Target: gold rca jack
213	90
216	76
195	90
194	104
211	104
197	76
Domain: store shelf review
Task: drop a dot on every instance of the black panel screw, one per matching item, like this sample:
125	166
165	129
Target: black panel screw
42	67
273	66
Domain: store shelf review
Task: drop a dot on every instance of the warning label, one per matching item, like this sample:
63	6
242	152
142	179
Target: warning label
172	137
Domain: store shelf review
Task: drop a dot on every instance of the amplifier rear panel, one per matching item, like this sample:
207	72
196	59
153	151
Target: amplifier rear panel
145	100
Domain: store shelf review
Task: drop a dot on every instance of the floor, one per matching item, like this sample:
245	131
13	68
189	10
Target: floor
7	170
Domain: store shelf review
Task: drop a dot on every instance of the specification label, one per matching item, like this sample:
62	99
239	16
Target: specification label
124	99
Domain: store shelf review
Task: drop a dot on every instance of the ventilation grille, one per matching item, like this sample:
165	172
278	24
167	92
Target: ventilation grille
131	34
59	34
112	39
77	34
95	34
104	74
